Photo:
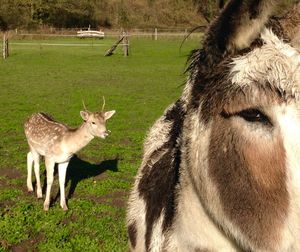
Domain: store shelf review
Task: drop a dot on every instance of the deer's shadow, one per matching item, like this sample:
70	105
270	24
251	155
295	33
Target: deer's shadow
79	170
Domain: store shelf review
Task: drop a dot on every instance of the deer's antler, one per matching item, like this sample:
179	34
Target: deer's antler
103	104
84	105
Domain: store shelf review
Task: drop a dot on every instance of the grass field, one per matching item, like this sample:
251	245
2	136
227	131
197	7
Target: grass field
54	79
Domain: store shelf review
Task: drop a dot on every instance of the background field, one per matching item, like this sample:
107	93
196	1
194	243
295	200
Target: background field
54	79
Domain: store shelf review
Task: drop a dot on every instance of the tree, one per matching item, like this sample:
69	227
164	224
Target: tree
209	8
117	13
3	25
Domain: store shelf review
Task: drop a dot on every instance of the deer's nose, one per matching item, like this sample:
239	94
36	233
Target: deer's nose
105	133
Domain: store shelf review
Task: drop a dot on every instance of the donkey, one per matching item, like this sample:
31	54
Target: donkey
221	167
58	143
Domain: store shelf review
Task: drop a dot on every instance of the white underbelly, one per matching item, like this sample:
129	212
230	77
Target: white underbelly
62	158
53	152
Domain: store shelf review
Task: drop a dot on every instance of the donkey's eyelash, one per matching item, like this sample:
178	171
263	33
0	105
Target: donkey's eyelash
250	115
254	115
226	114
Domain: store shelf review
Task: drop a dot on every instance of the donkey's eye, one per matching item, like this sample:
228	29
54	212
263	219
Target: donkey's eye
254	115
93	123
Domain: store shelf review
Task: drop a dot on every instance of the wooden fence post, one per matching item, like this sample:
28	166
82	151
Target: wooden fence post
3	46
155	34
5	49
125	44
110	51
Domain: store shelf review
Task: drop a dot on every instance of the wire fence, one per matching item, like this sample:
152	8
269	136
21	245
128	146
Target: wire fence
54	37
153	33
58	44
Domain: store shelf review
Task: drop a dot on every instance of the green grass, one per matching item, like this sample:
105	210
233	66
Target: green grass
55	79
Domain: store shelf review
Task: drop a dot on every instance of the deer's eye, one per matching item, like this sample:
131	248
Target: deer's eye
254	115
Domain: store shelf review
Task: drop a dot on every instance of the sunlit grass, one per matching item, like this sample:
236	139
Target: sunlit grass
55	79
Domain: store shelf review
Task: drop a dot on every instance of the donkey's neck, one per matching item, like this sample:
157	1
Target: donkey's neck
77	139
193	221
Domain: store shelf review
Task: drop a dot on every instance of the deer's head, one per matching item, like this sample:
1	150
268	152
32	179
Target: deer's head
96	121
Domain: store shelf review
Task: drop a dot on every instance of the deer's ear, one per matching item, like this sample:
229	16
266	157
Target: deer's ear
109	114
84	115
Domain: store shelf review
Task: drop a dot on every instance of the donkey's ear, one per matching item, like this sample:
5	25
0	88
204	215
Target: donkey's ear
221	4
290	23
109	114
239	23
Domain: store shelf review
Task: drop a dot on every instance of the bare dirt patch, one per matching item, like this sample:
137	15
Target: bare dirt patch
89	158
27	245
3	243
72	218
6	203
126	141
10	173
2	183
100	177
117	199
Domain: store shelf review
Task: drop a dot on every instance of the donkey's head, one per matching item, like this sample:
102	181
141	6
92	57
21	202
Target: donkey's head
96	121
243	128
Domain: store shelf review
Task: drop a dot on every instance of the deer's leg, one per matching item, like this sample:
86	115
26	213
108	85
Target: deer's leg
50	173
36	159
29	172
62	170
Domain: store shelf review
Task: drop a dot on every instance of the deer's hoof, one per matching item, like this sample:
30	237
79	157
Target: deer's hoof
65	208
39	195
29	189
46	207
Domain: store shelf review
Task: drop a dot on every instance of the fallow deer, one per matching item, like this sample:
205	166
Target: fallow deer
221	167
58	143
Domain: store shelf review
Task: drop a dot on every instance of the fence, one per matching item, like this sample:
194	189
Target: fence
42	37
5	49
153	33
